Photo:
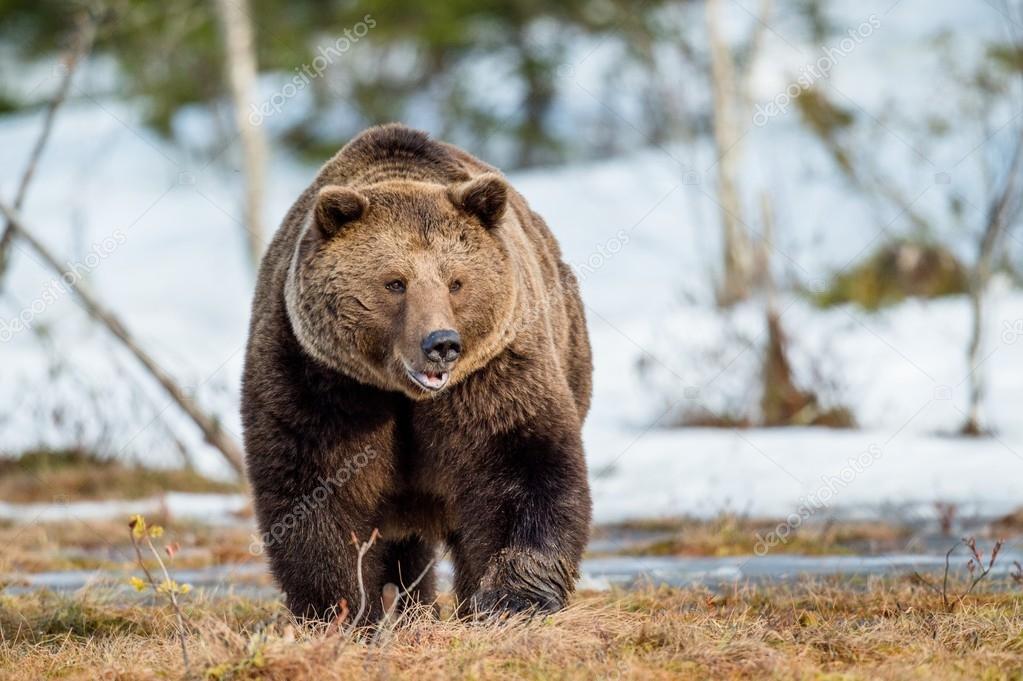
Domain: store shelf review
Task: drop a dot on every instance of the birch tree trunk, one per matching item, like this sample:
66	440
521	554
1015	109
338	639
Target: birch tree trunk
1002	213
738	253
239	48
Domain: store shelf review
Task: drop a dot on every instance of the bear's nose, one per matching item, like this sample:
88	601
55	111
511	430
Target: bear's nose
442	346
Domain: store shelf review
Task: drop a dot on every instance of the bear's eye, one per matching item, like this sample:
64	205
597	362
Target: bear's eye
397	286
456	286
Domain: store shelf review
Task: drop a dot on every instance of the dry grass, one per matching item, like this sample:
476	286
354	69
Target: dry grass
74	474
105	545
736	535
880	630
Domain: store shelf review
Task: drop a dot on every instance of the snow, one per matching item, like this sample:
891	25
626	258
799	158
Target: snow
209	508
641	233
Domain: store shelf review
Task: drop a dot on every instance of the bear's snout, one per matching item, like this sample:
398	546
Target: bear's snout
443	345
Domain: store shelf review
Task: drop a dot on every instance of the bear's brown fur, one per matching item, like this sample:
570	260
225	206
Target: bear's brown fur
351	424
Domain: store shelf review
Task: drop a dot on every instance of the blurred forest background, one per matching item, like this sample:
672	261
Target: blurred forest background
422	65
908	190
796	229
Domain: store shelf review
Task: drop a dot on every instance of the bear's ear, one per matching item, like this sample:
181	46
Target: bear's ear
485	196
337	206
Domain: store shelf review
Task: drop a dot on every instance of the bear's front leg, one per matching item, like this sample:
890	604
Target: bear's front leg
309	544
524	520
311	496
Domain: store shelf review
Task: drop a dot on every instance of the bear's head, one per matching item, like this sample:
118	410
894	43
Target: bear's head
404	285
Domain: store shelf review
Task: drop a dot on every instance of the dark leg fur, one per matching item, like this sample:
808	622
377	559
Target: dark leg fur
520	550
318	568
404	560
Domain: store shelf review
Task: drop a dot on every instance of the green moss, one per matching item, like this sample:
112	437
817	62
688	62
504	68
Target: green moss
895	272
1009	57
823	115
8	103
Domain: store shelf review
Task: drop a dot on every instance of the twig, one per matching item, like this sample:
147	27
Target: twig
1016	574
393	601
976	561
920	579
944	581
211	430
971	542
172	594
81	46
364	547
422	575
337	622
138	527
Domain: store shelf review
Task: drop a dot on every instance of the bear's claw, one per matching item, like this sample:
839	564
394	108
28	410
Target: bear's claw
521	580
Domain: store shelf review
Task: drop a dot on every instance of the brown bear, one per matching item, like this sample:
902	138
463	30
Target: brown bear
417	363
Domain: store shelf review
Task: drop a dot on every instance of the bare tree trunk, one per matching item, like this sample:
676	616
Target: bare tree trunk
82	44
239	45
977	384
738	252
781	402
209	425
1002	213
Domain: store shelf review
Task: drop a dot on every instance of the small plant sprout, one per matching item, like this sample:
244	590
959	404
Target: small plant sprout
143	534
975	565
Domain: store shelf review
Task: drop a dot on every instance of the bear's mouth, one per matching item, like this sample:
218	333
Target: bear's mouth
431	381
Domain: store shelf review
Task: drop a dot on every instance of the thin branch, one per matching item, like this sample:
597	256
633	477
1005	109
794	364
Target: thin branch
363	548
944	581
1002	212
976	560
984	572
393	599
81	46
210	427
171	594
426	570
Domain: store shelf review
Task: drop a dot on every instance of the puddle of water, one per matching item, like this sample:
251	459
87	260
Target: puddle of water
597	573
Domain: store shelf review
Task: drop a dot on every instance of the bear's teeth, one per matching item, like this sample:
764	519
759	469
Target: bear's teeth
428	379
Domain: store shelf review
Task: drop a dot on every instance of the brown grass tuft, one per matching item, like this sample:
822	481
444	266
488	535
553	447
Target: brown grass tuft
874	630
